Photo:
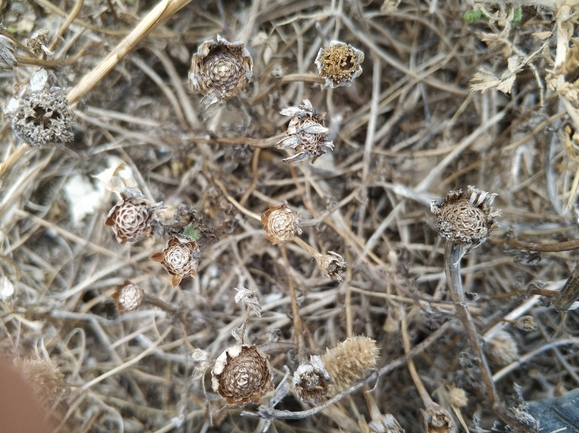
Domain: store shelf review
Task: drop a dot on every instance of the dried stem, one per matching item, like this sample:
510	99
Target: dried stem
307	247
295	311
411	367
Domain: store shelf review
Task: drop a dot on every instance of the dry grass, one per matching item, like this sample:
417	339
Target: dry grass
407	131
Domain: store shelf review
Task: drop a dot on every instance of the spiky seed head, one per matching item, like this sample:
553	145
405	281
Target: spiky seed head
180	258
130	217
311	381
332	265
280	223
502	348
339	64
242	374
7	49
128	296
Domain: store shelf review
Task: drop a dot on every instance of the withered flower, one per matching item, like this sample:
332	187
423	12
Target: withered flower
280	223
306	133
242	374
128	296
465	218
437	419
339	64
311	381
180	258
130	217
332	266
220	70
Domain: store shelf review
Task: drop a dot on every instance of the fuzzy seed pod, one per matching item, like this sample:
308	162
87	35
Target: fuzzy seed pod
437	419
349	361
465	219
7	59
280	223
180	258
242	374
130	217
502	348
220	70
306	133
45	379
128	296
332	266
311	381
339	64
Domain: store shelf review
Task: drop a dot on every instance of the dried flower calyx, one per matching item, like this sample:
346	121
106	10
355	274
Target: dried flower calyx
128	296
332	266
280	223
437	419
130	218
242	374
465	218
180	258
312	381
339	64
306	133
220	70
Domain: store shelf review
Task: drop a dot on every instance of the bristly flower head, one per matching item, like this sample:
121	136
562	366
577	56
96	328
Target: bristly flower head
312	381
220	70
465	218
180	258
307	133
128	296
339	64
280	223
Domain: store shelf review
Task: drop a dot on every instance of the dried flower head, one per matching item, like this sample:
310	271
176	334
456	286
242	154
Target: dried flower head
128	296
180	258
437	419
457	396
306	133
339	64
312	381
7	59
465	219
332	266
45	379
348	361
242	374
385	424
130	217
526	323
249	297
280	223
502	348
220	70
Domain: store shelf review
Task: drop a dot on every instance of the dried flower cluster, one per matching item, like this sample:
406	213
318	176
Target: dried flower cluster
242	374
465	218
306	133
220	70
311	381
180	258
128	296
349	361
280	223
339	64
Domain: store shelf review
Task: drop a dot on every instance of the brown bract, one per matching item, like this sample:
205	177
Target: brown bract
437	419
242	374
128	296
280	223
220	70
339	64
180	258
311	381
332	266
129	218
465	218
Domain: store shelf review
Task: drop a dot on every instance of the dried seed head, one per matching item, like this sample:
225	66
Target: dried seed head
312	381
502	348
128	296
348	361
465	219
385	424
130	217
220	70
437	419
526	323
332	266
457	396
7	59
339	64
280	223
306	133
180	258
242	374
249	297
45	379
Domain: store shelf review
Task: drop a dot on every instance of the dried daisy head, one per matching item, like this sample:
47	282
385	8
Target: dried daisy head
220	70
311	381
332	266
280	223
437	419
128	296
130	217
242	374
339	64
180	258
349	361
465	218
306	133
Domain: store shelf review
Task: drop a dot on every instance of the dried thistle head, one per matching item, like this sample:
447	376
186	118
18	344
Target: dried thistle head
130	217
220	70
465	218
280	223
332	266
349	361
242	374
7	59
45	379
128	296
437	419
306	133
502	348
180	258
339	64
312	381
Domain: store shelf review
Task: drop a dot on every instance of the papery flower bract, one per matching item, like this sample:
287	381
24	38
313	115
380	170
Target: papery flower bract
180	258
280	223
128	296
311	381
339	64
332	266
130	217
